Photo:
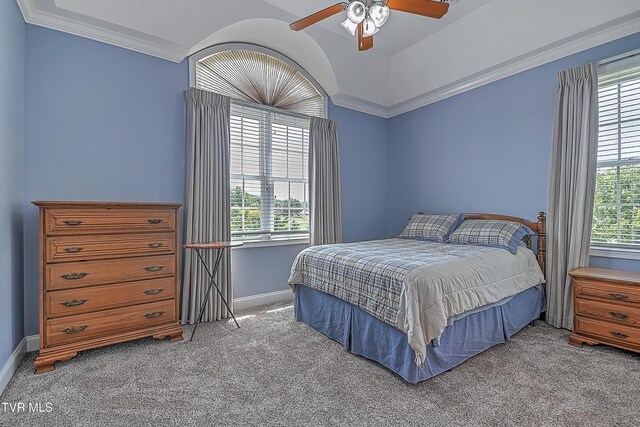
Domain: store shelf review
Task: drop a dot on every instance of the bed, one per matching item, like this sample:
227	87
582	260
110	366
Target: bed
420	307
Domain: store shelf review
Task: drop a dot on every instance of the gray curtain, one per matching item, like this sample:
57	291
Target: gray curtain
572	178
207	212
324	182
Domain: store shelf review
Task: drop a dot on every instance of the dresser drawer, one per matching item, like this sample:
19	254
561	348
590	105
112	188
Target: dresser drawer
86	300
108	220
593	289
90	273
608	331
608	311
102	323
79	248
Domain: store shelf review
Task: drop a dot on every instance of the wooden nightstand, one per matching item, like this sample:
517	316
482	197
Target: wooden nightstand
606	308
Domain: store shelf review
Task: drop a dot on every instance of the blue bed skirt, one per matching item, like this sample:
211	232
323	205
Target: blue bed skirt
365	335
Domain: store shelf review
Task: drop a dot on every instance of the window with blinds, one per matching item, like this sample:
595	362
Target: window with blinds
616	216
269	176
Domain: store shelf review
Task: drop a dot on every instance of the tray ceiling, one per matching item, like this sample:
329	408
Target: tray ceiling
415	60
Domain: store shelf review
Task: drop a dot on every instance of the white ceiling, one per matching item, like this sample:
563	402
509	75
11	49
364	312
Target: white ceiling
415	60
401	30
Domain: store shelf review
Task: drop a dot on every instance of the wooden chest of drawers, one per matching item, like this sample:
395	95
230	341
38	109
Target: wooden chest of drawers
606	307
108	274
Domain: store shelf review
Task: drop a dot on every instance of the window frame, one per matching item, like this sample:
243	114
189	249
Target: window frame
197	56
267	183
616	250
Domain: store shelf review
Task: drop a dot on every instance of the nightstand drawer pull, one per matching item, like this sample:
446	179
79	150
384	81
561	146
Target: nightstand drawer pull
155	291
74	276
154	267
154	221
74	302
619	296
155	245
74	329
154	315
72	222
618	315
73	250
619	335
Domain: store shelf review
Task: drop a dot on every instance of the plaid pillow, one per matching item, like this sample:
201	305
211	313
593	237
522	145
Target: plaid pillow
431	227
490	232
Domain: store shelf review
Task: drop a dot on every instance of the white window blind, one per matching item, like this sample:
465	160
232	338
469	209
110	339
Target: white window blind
616	216
269	176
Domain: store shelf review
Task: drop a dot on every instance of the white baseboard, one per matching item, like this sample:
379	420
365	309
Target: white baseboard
261	299
32	342
12	364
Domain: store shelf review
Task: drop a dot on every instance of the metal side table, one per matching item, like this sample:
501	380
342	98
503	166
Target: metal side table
219	248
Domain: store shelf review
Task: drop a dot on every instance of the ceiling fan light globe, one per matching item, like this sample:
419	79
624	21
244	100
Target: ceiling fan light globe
356	12
369	28
350	26
379	14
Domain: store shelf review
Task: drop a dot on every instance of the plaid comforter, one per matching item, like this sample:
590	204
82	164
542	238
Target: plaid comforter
415	285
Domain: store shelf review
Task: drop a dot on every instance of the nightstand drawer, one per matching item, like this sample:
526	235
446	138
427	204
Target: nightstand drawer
108	220
608	331
606	291
607	311
83	248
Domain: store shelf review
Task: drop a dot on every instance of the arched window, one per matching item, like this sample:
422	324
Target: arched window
272	100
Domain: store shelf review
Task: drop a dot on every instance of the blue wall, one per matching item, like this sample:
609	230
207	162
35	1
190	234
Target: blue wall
485	150
12	51
364	173
105	124
102	123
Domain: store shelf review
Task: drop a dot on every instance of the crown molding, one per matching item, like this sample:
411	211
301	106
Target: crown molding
596	36
159	48
358	104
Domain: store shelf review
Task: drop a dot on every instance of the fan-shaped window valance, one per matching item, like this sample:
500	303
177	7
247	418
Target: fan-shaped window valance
259	78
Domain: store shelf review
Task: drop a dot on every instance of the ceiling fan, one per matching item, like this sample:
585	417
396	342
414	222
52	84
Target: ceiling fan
365	17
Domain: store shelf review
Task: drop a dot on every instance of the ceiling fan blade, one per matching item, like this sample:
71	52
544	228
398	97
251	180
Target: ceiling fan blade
432	9
317	17
364	43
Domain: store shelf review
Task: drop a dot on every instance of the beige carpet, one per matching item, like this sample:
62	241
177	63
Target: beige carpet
275	371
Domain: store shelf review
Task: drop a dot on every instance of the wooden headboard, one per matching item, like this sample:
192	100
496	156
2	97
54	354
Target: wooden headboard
540	228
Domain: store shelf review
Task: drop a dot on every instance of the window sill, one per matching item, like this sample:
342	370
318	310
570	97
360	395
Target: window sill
270	243
614	253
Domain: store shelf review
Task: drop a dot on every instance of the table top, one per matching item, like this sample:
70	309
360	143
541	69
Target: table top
614	276
212	245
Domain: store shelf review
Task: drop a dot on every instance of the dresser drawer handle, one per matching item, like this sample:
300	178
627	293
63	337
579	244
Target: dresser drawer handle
618	315
73	250
74	276
154	267
73	222
155	245
154	291
74	329
154	221
619	335
619	296
74	302
154	315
